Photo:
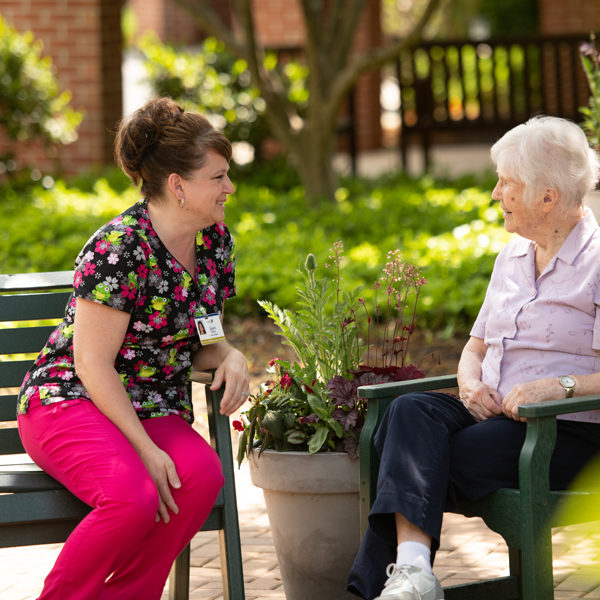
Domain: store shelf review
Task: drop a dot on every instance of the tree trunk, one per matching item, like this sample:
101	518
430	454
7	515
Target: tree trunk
311	152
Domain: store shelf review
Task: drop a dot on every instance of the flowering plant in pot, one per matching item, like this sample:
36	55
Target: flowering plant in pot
342	341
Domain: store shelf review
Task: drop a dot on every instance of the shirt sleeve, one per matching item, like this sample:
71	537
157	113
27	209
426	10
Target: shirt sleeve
112	268
478	329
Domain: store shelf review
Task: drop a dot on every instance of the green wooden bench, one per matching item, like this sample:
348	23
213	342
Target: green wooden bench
35	508
523	517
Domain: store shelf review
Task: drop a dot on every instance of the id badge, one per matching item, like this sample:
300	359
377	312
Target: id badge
210	328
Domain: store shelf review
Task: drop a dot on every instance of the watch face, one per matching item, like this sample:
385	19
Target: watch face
567	381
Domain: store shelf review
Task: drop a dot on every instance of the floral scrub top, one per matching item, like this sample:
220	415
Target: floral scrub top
125	265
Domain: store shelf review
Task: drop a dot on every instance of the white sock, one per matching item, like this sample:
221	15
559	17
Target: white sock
416	554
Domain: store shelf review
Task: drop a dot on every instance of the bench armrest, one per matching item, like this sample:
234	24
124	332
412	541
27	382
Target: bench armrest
535	454
552	408
205	377
397	388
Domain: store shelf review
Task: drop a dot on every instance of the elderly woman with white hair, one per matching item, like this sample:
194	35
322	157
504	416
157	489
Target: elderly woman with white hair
536	338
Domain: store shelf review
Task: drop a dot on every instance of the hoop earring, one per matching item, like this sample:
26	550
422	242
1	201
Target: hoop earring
181	201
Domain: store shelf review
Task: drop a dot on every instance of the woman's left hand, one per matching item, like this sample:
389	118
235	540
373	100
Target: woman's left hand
539	390
233	371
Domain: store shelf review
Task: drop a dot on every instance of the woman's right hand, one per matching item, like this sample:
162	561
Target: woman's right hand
164	474
481	400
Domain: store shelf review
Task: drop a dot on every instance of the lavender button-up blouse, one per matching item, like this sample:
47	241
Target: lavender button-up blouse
545	327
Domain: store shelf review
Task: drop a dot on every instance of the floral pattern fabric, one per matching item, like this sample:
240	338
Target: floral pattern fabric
125	265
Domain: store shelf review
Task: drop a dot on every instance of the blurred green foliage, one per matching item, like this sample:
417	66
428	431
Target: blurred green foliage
455	20
208	80
31	103
450	229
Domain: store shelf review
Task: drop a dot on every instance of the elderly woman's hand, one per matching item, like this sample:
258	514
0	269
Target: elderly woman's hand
539	390
233	370
481	400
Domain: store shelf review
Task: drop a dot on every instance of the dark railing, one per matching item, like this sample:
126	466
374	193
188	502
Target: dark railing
472	91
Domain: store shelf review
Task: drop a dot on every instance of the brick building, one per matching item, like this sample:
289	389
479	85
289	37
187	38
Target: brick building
83	37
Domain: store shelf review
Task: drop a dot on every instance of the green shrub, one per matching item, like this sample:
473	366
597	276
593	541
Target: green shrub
208	80
31	105
44	229
453	234
451	230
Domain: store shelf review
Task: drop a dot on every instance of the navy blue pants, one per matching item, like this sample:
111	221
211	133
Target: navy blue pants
432	452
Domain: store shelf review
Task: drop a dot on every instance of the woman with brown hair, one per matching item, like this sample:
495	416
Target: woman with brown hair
105	409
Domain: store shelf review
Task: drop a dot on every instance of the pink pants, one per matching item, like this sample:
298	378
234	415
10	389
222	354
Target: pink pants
119	551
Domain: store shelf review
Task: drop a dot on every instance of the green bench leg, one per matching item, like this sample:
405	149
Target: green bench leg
179	577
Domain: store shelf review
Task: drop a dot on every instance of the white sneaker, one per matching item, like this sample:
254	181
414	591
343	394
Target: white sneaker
406	582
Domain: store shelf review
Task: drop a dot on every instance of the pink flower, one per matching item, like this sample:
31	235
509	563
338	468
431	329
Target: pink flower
157	320
102	246
89	269
212	267
142	271
176	266
286	381
220	228
209	297
146	249
181	293
207	242
77	279
127	292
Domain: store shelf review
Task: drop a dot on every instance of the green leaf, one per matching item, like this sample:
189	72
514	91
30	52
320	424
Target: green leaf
273	422
318	407
318	439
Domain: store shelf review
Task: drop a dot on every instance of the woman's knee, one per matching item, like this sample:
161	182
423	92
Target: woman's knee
132	497
202	470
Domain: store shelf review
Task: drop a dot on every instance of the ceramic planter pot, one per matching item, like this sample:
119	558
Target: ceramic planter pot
312	502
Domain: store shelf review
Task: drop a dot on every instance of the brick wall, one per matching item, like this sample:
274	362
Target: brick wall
574	16
83	37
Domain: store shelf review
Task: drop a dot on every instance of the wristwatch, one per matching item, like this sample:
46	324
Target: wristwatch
568	384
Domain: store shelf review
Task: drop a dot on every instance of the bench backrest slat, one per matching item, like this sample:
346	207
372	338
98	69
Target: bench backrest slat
24	339
8	403
27	307
12	372
10	442
34	282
